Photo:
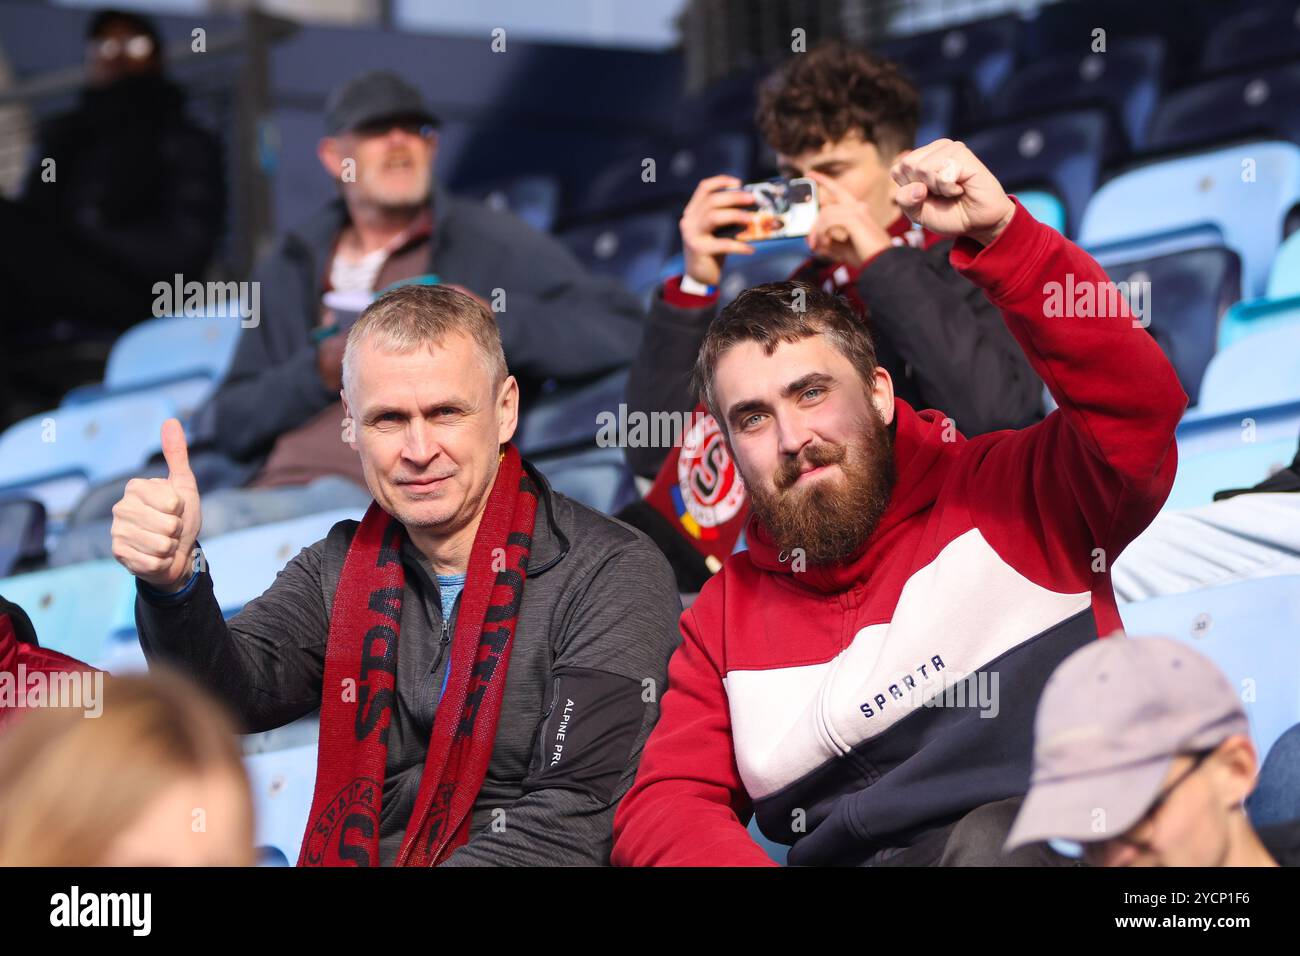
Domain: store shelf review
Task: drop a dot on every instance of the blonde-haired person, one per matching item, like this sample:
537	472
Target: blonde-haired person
156	780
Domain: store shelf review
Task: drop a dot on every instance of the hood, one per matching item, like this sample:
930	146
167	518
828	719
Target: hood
921	460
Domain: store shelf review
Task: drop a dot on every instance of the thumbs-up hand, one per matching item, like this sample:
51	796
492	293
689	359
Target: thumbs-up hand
157	521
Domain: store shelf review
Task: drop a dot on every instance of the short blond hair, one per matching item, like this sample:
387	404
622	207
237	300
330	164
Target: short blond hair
412	316
70	784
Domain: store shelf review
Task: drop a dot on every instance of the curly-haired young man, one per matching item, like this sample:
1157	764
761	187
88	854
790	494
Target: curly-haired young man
840	116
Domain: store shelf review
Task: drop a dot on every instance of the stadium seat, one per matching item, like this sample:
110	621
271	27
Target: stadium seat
1045	207
1270	31
22	534
565	418
76	609
178	357
773	261
1244	192
244	563
1284	274
938	112
626	185
1231	449
1187	292
534	199
777	851
1248	629
54	456
974	58
1256	103
597	477
1070	29
1262	369
632	249
1280	305
282	784
1125	81
1062	152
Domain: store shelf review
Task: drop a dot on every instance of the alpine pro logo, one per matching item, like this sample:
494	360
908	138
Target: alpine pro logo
711	489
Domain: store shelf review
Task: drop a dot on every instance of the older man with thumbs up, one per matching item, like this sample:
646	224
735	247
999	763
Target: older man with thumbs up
402	628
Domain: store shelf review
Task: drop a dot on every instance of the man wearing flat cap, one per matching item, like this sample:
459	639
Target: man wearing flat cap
278	410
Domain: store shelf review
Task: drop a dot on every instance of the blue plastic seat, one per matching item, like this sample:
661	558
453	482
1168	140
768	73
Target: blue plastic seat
1125	81
1185	294
244	563
1230	448
632	249
777	851
1280	305
22	533
282	783
1045	207
1269	31
938	114
1256	103
679	165
77	608
1284	274
54	456
1262	369
975	58
773	261
1062	152
567	417
597	477
1242	192
534	199
1248	629
1068	29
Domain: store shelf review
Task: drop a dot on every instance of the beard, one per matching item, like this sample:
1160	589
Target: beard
396	189
831	519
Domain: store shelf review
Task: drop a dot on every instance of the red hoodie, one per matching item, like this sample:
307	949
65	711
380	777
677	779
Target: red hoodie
858	705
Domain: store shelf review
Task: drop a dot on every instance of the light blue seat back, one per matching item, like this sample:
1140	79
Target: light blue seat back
1249	630
1244	191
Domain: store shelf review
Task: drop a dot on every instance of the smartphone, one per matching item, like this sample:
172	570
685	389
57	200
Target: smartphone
785	209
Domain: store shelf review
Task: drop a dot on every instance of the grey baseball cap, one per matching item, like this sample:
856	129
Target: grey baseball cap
1111	720
373	96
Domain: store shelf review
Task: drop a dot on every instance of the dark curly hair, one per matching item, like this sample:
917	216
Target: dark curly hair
825	94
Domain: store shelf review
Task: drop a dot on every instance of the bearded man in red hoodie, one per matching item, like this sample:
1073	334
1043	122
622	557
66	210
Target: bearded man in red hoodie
864	678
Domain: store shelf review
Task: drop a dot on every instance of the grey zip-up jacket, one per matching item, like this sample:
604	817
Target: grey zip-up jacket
597	625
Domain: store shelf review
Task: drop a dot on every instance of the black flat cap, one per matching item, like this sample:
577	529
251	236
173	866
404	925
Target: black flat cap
373	96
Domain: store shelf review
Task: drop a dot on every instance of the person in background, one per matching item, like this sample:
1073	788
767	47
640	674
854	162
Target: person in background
840	116
123	191
277	414
1159	775
124	788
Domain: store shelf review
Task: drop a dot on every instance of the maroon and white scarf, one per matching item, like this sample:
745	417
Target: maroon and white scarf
360	684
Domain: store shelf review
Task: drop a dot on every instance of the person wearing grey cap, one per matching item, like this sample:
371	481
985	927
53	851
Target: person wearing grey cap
275	422
1143	757
392	222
